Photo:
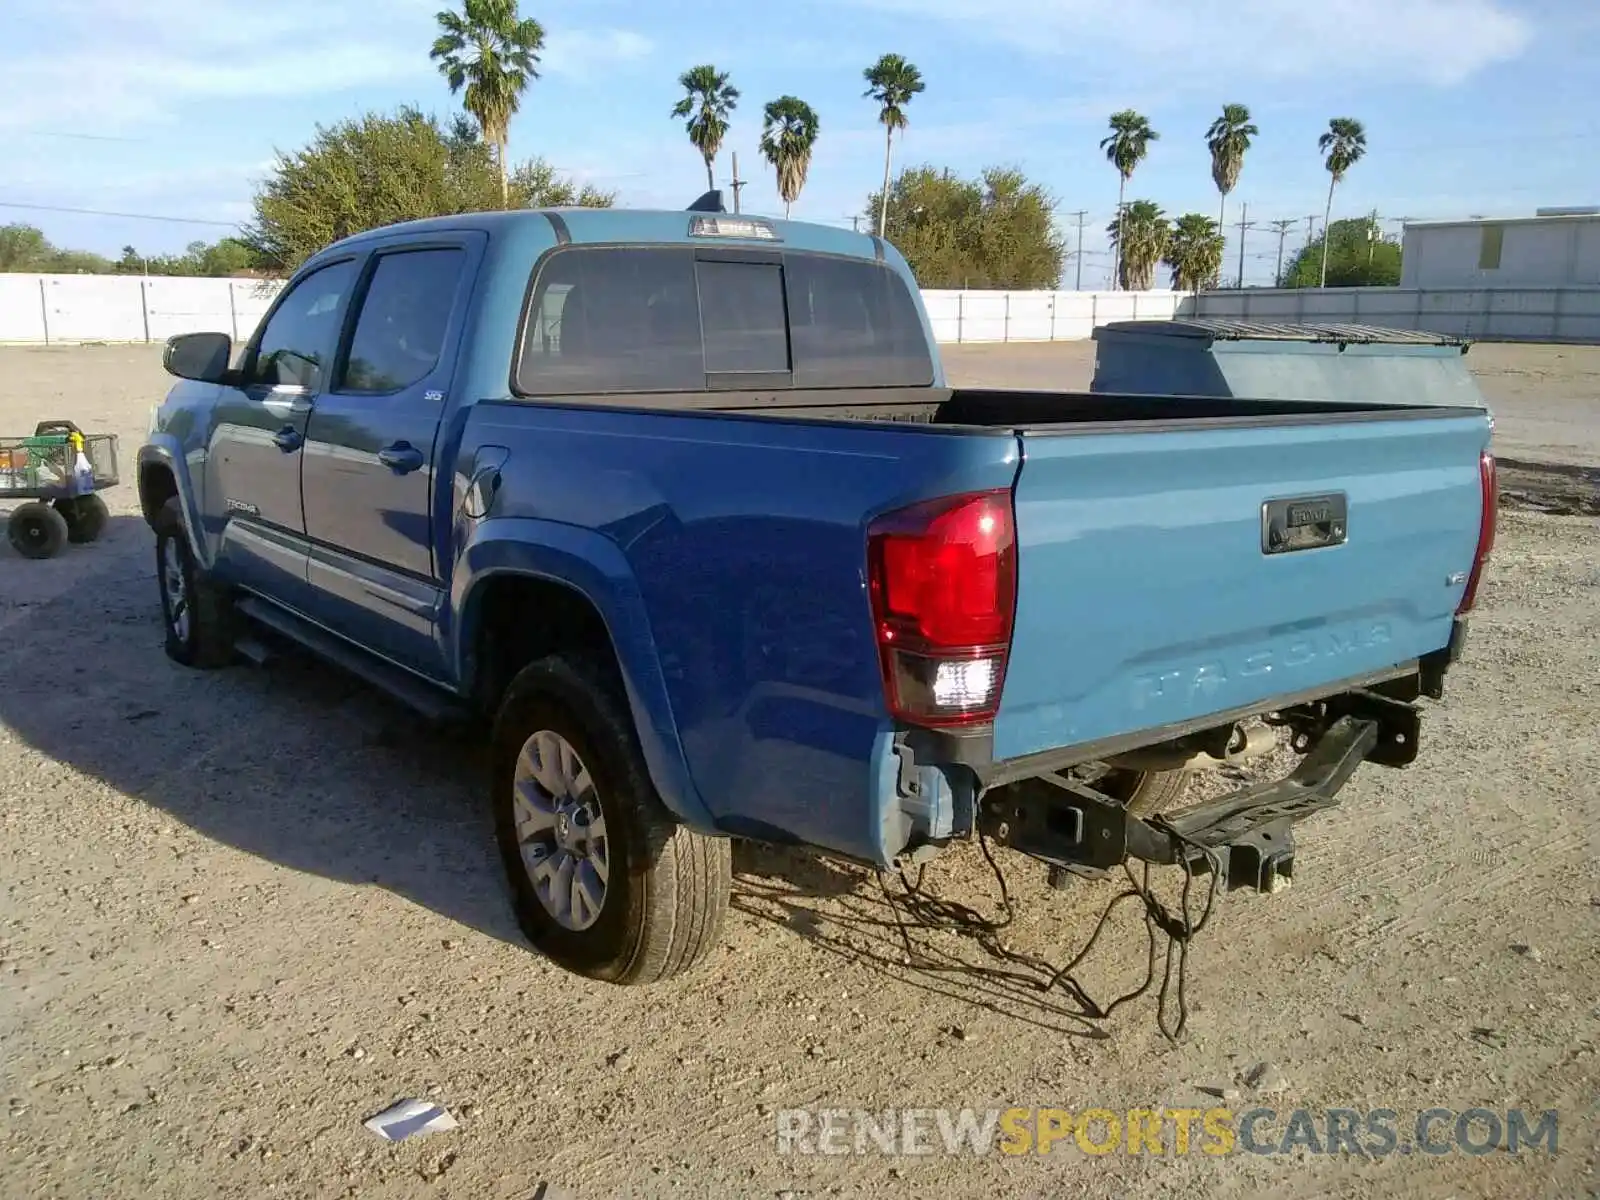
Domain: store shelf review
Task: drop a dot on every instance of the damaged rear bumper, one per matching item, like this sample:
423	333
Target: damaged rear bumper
1246	835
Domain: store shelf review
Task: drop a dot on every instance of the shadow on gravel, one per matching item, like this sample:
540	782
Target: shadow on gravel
935	945
297	763
303	766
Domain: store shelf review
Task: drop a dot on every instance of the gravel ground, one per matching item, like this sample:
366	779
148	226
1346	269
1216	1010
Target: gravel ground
241	912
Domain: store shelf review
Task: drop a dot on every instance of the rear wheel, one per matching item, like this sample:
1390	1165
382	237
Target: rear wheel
606	883
37	531
86	517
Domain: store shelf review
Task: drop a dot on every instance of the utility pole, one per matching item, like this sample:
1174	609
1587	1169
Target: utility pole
1244	223
1282	225
1080	214
855	223
736	183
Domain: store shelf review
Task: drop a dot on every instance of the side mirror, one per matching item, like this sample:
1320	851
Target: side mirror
200	356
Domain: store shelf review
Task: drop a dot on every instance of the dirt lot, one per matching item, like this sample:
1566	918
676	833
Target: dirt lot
242	912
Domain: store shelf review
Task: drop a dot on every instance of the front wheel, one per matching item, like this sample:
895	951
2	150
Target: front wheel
198	611
606	882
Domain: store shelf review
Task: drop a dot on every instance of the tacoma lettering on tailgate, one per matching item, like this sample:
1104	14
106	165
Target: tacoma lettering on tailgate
1209	676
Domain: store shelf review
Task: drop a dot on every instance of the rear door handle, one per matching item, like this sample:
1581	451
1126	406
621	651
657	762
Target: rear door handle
402	458
288	439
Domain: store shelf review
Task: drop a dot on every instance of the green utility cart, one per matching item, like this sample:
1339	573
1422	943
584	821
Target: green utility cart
59	471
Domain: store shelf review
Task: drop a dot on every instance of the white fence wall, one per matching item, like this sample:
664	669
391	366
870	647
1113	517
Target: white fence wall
128	308
1039	316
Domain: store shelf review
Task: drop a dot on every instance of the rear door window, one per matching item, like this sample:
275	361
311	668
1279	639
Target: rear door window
400	331
854	324
613	320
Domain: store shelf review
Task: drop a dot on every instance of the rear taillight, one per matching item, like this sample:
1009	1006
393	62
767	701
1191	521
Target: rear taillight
1486	521
943	576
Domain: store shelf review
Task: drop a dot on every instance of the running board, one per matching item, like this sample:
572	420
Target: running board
423	698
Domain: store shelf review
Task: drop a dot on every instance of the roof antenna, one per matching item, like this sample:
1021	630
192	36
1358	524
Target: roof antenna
711	202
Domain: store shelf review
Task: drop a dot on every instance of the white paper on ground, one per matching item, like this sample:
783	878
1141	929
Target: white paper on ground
410	1117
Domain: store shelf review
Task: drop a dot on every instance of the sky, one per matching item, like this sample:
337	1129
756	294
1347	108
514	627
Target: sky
176	109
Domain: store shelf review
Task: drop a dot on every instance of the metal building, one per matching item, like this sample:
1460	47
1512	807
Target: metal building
1557	247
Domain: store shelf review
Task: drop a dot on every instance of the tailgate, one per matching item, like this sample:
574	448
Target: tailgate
1145	595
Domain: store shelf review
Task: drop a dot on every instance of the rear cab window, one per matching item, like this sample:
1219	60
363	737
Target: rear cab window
637	319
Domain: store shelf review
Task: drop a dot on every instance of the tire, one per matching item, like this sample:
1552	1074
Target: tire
666	888
205	639
1147	793
37	531
86	518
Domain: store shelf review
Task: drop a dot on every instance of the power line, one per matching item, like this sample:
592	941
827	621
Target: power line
99	212
76	137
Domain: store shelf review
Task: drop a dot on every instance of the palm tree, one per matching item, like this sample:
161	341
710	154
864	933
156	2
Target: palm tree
493	53
788	133
1140	234
1125	149
1194	252
1342	147
708	101
893	83
1228	139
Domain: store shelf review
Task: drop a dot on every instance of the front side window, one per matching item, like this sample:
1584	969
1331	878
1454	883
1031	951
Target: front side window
301	335
400	332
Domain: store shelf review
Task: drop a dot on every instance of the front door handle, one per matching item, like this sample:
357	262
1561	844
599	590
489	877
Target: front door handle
402	458
288	439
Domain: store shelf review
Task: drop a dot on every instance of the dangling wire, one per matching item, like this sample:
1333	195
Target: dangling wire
1180	929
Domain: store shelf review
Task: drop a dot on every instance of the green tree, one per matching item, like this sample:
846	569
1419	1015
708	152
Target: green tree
1125	148
1194	252
1342	147
535	184
1228	139
492	52
228	256
24	248
1140	235
1359	255
379	169
708	102
997	231
788	134
892	83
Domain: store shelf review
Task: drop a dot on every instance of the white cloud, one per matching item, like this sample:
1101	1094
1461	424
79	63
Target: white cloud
584	52
1441	42
110	66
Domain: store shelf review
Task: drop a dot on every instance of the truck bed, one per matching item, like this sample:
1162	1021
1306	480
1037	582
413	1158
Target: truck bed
990	408
1146	596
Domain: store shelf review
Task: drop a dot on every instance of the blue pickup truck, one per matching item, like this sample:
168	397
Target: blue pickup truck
681	506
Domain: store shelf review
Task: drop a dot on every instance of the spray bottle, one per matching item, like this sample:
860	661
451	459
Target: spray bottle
82	468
